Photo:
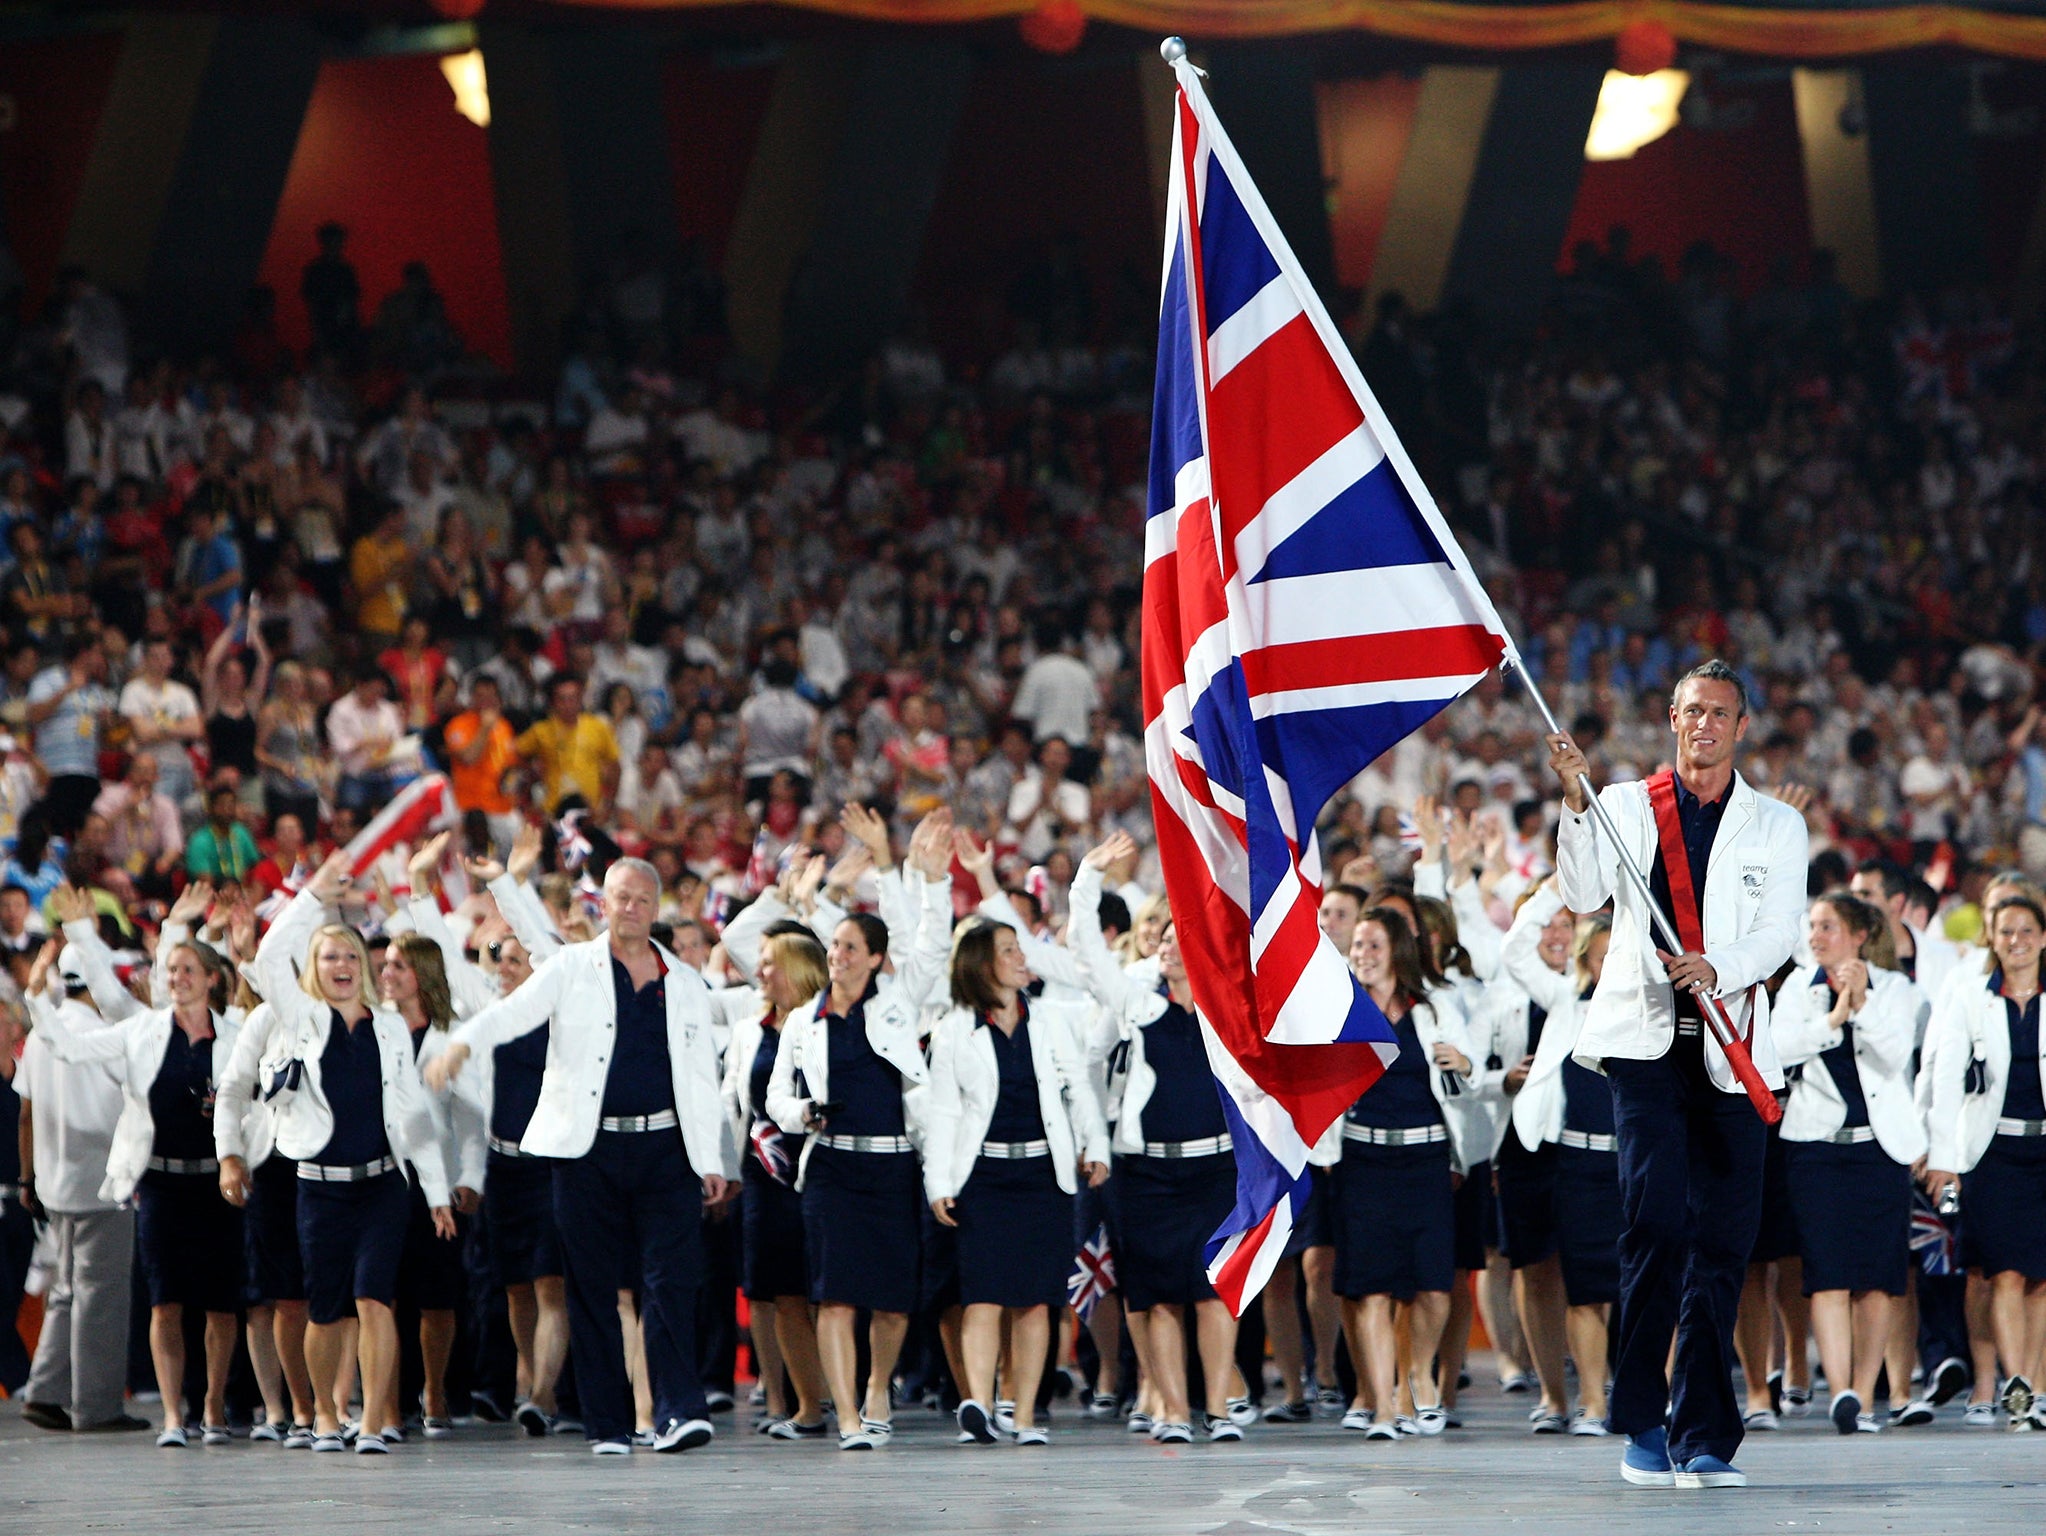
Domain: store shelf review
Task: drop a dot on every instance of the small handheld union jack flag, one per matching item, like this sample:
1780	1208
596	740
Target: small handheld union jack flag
1093	1273
770	1153
1933	1238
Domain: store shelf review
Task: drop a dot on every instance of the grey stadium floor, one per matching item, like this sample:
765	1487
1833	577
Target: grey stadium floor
1094	1480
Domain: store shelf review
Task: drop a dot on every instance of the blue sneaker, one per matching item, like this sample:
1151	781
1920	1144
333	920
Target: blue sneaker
1646	1462
1710	1472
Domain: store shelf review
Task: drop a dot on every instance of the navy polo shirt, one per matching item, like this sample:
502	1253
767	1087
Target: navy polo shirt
641	1080
517	1068
352	1077
181	1098
1186	1104
1019	1113
867	1090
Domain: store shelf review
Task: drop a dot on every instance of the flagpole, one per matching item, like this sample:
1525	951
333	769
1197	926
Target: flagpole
1717	1018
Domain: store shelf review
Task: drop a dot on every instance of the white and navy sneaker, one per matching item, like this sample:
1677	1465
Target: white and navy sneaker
682	1435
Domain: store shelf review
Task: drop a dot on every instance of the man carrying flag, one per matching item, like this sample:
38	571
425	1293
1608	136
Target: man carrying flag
1728	866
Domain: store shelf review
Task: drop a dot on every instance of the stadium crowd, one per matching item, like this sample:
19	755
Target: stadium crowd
814	656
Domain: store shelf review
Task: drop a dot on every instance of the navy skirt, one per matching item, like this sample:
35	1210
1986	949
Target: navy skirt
1776	1238
1315	1226
771	1236
860	1228
1167	1209
1853	1206
431	1275
1015	1234
1395	1220
351	1240
1476	1215
1527	1200
270	1233
190	1242
518	1199
1588	1225
2003	1208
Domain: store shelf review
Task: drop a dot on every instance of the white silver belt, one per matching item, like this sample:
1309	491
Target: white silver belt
1853	1136
1015	1149
337	1173
2009	1127
1394	1136
867	1143
505	1148
1205	1146
184	1165
665	1120
1588	1141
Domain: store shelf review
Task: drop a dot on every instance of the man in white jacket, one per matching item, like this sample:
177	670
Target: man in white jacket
630	1108
1691	1146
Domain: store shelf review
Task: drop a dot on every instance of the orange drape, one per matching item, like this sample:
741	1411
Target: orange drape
1800	34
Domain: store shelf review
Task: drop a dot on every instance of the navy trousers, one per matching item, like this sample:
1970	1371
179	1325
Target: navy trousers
630	1213
1691	1192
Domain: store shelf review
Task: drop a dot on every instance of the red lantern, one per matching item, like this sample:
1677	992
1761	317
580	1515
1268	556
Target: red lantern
1643	47
459	10
1056	26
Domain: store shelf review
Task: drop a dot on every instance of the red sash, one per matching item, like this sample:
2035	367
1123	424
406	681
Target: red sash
1676	863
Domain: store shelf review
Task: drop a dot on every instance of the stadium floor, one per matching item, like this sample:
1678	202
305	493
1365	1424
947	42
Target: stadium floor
1095	1480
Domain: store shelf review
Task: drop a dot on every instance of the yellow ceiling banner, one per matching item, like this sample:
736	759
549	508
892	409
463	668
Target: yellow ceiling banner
1797	33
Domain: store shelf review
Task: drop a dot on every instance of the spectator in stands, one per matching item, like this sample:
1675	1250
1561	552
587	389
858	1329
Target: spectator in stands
363	731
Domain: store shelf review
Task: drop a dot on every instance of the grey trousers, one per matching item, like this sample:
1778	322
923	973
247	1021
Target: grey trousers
81	1359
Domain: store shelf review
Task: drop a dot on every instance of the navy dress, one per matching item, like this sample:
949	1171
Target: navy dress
351	1236
17	1244
1015	1223
2003	1197
188	1237
1589	1217
1852	1202
518	1194
1170	1206
1395	1218
861	1209
1527	1181
431	1275
771	1212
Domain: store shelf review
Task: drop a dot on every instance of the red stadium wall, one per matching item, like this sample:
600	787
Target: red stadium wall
1365	127
1040	151
714	112
57	88
1741	187
384	152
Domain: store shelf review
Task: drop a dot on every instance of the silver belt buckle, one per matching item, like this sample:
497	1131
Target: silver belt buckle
504	1148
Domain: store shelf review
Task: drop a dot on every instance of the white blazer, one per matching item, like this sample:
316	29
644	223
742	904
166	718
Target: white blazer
1971	1026
574	992
244	1123
1537	1110
1884	1031
1475	929
1439	1017
1754	901
893	1018
1131	999
296	1037
134	1048
966	1080
1476	1117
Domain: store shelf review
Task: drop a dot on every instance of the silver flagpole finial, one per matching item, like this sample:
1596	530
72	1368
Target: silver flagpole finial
1172	50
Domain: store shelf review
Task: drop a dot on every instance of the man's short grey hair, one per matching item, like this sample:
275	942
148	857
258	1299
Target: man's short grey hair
637	867
1713	671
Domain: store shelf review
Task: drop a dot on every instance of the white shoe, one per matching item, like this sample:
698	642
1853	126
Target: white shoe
371	1445
214	1434
1240	1412
1980	1416
611	1448
1867	1424
1431	1421
1221	1430
1005	1416
1758	1419
975	1424
1584	1422
858	1440
1173	1434
267	1432
1377	1431
1034	1434
683	1435
1357	1418
1140	1423
172	1439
